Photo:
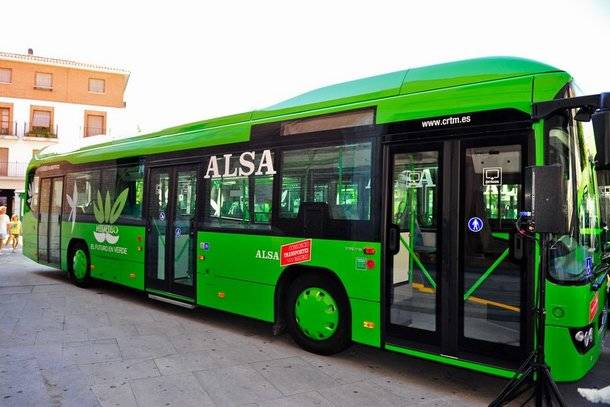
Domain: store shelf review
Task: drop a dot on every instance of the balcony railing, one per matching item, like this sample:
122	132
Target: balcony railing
23	129
12	169
40	131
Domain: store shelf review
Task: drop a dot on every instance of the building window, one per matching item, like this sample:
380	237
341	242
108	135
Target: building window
5	121
95	123
97	85
41	124
6	75
3	162
44	80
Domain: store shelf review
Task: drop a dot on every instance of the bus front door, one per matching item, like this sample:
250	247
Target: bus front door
456	285
172	203
49	220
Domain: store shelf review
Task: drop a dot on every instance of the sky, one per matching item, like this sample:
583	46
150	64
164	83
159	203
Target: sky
191	61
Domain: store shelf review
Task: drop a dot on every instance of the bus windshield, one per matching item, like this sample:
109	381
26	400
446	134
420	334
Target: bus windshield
572	254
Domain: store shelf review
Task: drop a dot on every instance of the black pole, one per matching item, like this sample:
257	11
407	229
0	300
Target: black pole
534	372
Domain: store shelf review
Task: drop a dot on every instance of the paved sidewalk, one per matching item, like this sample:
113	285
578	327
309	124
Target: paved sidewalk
65	346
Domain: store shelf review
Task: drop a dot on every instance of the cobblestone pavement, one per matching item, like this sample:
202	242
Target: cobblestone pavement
65	346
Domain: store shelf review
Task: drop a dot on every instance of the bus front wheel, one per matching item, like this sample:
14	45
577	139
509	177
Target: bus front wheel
79	265
318	314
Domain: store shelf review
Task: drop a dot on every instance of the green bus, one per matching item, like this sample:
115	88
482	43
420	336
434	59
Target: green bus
379	211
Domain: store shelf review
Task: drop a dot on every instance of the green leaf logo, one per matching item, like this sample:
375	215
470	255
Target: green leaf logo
118	206
107	207
105	211
98	210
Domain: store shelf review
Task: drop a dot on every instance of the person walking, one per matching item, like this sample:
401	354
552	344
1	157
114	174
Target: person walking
4	221
14	230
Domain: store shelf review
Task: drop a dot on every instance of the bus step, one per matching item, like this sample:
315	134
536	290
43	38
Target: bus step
170	301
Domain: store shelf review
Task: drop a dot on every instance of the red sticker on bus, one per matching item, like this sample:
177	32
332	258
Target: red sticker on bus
593	306
297	252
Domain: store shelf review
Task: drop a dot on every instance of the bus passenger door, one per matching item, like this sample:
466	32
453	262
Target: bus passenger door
491	281
170	230
455	271
414	282
49	220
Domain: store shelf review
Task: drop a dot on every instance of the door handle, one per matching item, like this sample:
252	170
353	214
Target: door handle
393	239
516	248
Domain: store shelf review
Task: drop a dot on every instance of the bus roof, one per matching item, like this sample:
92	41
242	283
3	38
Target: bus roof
236	128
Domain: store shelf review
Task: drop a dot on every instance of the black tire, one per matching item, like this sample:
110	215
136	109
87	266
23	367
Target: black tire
84	281
341	338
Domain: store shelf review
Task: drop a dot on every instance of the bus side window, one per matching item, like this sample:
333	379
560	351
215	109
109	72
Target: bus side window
339	176
132	178
115	181
238	202
81	187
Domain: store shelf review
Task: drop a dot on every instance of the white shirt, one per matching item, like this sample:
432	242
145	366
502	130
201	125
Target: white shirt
4	220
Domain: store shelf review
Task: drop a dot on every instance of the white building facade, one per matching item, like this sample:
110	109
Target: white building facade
53	104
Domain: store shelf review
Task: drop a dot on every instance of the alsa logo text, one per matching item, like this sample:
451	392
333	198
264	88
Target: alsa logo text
246	164
267	255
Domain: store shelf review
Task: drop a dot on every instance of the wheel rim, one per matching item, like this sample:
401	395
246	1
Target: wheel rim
79	264
316	313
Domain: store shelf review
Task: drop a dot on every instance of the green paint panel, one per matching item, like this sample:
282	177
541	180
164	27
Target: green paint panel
508	93
241	297
546	86
466	72
120	262
375	87
239	273
568	307
566	363
163	143
29	223
573	299
492	370
369	312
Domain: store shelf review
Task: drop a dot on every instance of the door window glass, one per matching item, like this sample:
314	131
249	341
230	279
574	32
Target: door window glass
186	203
414	209
158	212
491	278
54	221
43	224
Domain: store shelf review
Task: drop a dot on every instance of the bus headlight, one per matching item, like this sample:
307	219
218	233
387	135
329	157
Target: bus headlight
583	338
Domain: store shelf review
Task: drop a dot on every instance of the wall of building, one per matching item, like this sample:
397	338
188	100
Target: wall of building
70	85
69	99
69	118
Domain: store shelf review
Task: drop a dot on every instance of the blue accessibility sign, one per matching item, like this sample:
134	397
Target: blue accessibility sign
589	265
475	224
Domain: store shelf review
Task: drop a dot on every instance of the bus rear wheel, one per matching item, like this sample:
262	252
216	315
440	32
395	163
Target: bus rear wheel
318	314
79	265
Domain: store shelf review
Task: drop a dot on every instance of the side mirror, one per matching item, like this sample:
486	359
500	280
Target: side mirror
601	129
